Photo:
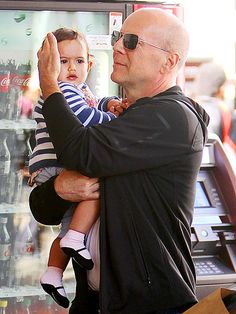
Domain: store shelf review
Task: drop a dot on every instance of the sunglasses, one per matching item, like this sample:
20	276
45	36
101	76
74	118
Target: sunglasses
130	41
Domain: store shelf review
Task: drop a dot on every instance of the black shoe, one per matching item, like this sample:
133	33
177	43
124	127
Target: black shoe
53	292
79	259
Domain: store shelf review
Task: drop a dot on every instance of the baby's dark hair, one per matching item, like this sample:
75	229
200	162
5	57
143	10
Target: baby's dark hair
64	33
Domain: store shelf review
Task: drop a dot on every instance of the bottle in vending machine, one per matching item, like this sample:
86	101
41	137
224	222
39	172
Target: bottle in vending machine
11	308
21	306
23	245
28	137
41	304
4	88
3	306
13	110
13	70
24	263
19	79
15	177
5	252
5	162
35	306
28	247
48	306
27	305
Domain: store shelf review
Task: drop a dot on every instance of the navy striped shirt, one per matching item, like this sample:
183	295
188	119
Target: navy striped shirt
86	108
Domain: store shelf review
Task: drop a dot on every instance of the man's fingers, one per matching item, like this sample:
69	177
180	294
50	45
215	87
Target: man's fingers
45	47
51	44
49	66
73	186
94	196
51	39
94	187
39	52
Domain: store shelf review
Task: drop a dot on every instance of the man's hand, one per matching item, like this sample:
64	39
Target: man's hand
49	66
73	186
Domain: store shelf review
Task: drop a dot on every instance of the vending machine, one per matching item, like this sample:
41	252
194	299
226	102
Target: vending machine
24	244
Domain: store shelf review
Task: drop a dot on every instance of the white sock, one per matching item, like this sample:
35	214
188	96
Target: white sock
75	240
53	275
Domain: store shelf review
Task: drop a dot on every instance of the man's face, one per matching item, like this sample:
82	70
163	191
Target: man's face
138	67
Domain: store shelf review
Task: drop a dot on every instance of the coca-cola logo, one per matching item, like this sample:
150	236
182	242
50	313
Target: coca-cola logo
5	81
20	81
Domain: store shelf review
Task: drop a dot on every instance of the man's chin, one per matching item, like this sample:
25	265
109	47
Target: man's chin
115	78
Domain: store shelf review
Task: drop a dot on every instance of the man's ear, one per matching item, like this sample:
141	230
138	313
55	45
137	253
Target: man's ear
90	62
172	61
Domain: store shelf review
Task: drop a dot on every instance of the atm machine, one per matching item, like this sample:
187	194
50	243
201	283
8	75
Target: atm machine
213	229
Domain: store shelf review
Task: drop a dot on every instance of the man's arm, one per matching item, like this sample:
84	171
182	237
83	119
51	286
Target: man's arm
74	187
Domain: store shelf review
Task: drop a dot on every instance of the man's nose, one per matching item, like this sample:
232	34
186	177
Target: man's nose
119	45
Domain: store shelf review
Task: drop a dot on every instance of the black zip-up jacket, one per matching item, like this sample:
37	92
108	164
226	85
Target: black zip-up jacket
148	160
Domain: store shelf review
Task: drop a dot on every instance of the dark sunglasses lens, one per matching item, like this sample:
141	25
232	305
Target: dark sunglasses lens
130	41
115	37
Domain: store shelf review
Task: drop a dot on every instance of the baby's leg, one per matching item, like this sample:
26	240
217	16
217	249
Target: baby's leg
51	280
57	257
73	243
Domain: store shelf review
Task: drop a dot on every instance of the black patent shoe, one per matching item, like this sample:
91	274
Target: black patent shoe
53	292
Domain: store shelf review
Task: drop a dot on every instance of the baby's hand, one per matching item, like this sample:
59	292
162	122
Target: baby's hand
125	103
117	106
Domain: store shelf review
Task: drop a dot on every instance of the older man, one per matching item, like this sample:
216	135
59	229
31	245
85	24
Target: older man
147	161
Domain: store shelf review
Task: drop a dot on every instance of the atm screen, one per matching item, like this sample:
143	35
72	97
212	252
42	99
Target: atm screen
201	199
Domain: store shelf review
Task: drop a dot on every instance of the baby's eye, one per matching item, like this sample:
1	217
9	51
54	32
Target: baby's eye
63	61
80	61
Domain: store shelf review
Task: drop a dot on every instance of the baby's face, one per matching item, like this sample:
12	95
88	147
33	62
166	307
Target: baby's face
74	61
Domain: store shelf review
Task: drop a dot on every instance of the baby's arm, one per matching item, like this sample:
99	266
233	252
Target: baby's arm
87	115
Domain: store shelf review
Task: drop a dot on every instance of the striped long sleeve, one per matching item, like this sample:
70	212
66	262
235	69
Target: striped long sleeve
85	109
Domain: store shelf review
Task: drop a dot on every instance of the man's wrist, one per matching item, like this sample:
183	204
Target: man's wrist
49	88
61	189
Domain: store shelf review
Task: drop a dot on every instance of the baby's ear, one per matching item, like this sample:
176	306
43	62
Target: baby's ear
90	61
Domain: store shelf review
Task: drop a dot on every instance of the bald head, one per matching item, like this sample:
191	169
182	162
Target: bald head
159	45
164	28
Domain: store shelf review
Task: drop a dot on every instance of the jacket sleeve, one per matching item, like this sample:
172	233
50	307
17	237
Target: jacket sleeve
87	115
144	136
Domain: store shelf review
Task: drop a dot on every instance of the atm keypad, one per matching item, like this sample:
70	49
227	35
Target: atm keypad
207	268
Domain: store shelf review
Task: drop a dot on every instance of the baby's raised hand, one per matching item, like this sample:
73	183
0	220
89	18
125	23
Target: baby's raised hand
117	106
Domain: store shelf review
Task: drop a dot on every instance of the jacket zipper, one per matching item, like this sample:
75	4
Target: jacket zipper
142	255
